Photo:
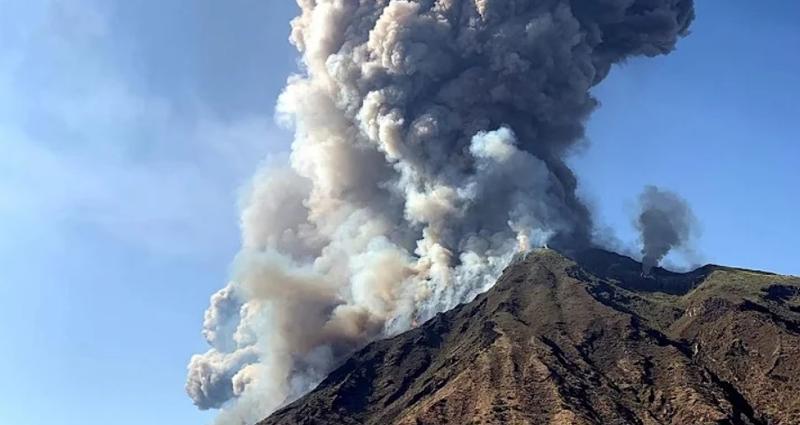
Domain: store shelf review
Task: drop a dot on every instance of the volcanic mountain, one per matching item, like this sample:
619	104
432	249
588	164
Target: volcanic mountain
586	340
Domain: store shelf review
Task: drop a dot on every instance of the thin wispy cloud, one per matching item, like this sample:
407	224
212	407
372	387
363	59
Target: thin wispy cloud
84	143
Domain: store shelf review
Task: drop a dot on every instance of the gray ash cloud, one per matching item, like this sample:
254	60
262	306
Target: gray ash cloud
430	144
665	222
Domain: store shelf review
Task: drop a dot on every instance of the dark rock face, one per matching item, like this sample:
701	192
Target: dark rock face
584	341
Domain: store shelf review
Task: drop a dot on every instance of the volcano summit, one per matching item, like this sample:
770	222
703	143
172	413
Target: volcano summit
583	341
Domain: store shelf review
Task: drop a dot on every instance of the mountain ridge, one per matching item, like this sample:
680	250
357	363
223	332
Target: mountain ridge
587	340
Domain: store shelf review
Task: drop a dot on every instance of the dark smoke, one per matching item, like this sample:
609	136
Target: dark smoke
430	138
665	222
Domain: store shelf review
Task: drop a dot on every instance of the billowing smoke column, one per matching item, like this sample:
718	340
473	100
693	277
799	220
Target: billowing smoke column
665	222
429	146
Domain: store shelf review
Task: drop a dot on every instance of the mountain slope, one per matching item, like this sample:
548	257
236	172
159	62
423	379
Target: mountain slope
585	341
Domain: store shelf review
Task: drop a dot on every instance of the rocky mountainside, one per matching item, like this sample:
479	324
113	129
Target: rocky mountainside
583	341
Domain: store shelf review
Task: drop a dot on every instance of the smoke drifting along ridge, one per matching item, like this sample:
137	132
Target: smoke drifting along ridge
429	148
665	222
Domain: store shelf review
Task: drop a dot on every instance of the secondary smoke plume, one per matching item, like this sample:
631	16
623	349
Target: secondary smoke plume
665	222
429	148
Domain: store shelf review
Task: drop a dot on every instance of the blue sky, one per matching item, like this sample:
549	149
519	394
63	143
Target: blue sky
126	129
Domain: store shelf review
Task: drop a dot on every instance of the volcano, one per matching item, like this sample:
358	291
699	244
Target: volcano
583	340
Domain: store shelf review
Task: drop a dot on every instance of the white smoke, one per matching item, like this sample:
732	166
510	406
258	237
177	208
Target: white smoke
428	150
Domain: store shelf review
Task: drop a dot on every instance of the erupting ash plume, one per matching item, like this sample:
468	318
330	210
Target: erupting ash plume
429	148
665	222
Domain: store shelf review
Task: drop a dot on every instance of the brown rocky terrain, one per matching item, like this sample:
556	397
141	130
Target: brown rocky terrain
585	341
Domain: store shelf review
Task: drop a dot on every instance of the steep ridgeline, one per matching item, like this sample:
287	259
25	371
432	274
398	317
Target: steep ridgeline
585	341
